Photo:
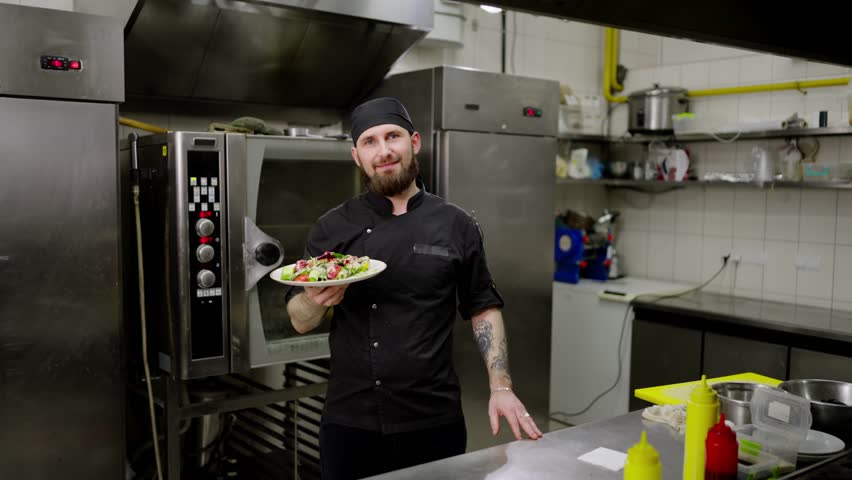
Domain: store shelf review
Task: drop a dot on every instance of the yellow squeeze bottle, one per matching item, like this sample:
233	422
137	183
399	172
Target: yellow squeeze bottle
643	461
702	412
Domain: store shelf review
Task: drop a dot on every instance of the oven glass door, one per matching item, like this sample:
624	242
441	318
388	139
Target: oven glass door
291	182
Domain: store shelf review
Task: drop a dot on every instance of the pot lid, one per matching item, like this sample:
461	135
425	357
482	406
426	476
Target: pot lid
657	90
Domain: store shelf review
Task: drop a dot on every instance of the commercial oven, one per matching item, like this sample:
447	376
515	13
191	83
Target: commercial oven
219	212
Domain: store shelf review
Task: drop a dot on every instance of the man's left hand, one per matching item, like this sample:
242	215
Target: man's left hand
505	403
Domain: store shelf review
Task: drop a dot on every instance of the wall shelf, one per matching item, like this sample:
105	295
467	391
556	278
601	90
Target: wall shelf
703	137
659	185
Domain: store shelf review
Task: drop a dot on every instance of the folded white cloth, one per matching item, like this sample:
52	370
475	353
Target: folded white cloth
672	415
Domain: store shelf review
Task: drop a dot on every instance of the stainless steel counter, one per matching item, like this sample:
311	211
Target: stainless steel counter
554	456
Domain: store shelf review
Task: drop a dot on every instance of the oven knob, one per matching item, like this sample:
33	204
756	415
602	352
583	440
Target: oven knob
206	279
204	253
204	227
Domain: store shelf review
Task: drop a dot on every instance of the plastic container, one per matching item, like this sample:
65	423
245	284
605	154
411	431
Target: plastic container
815	172
722	448
702	411
768	447
643	461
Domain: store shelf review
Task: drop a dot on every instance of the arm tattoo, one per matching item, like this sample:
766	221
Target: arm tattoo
484	334
501	360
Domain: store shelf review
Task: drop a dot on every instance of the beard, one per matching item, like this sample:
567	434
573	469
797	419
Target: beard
392	185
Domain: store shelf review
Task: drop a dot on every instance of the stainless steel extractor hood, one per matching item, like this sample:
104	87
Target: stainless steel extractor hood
301	53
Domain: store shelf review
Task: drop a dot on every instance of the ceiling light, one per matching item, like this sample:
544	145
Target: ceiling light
490	9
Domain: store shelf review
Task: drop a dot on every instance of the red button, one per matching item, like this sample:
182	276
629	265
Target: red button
75	65
57	63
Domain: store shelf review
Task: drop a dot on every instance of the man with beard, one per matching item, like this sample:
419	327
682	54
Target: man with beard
393	397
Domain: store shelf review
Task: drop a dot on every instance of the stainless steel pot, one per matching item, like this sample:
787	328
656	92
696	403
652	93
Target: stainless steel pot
735	400
831	403
651	110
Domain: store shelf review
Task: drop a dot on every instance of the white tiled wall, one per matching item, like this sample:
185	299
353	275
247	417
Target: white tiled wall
795	243
698	66
541	47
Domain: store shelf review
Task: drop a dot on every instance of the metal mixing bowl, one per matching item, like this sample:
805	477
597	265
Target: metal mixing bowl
618	168
831	403
735	400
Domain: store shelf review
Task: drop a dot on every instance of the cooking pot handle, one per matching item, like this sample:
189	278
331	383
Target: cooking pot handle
261	254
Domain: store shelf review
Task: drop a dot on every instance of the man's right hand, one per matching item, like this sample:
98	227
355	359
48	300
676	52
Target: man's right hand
326	296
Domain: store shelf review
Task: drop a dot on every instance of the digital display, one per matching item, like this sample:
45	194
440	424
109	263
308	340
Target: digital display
532	112
53	62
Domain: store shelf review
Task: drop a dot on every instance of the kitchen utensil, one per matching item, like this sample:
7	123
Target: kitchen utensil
790	166
578	166
770	444
809	146
651	110
677	393
676	165
735	399
820	443
831	403
764	165
618	168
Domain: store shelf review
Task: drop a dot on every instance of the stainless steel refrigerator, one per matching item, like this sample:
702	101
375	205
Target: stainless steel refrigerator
61	379
489	146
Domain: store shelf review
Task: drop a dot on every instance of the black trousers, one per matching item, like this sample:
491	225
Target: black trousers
348	453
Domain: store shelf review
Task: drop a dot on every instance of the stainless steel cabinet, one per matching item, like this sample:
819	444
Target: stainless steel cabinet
662	354
726	355
810	364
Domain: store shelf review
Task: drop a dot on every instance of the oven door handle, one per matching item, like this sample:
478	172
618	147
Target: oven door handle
261	254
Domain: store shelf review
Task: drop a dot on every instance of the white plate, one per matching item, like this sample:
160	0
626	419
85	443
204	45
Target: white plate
819	443
376	267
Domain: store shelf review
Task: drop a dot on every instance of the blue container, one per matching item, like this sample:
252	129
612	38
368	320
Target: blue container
568	254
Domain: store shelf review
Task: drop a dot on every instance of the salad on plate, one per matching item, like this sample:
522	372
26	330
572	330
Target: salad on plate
328	266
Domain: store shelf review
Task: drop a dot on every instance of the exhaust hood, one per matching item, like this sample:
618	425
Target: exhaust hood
299	53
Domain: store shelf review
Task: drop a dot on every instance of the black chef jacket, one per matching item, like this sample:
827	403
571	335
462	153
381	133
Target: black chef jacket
391	336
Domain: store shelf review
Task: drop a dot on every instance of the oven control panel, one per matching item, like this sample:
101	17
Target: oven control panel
206	246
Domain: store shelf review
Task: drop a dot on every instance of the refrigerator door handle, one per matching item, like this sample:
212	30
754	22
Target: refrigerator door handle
439	168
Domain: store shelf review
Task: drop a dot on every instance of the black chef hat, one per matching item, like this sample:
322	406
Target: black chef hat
379	111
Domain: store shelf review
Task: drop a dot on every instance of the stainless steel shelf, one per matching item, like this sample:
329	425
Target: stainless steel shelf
703	137
666	185
583	137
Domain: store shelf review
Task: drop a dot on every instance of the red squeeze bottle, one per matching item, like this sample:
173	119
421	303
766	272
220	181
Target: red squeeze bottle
722	452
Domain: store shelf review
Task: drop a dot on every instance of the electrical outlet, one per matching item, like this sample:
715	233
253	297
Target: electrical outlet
750	258
808	262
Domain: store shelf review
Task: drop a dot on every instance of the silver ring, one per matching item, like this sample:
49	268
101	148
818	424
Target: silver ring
526	414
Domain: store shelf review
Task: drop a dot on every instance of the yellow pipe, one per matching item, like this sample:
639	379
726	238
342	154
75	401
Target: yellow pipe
610	78
141	125
607	70
613	59
769	87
